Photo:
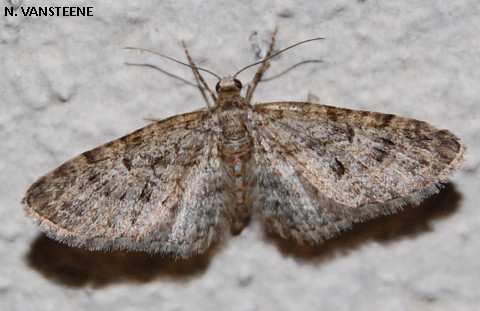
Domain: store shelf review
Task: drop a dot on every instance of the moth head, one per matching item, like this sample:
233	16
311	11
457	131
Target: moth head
228	84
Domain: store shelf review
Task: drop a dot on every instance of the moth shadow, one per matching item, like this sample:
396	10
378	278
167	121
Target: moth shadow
410	222
77	267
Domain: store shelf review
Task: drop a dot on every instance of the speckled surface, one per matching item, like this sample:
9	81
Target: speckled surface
65	88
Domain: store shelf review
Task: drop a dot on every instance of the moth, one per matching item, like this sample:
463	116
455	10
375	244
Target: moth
310	171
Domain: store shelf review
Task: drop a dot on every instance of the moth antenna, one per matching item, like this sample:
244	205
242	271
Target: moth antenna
291	68
275	54
173	59
165	72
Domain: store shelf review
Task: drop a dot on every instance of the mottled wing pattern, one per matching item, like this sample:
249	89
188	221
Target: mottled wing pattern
156	189
321	168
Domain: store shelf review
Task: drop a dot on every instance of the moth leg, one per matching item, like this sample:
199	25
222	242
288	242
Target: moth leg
312	98
261	70
151	119
199	78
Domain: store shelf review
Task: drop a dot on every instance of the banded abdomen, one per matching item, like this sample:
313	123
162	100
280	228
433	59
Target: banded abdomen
236	150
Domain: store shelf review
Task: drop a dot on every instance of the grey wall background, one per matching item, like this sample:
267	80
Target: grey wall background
65	89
